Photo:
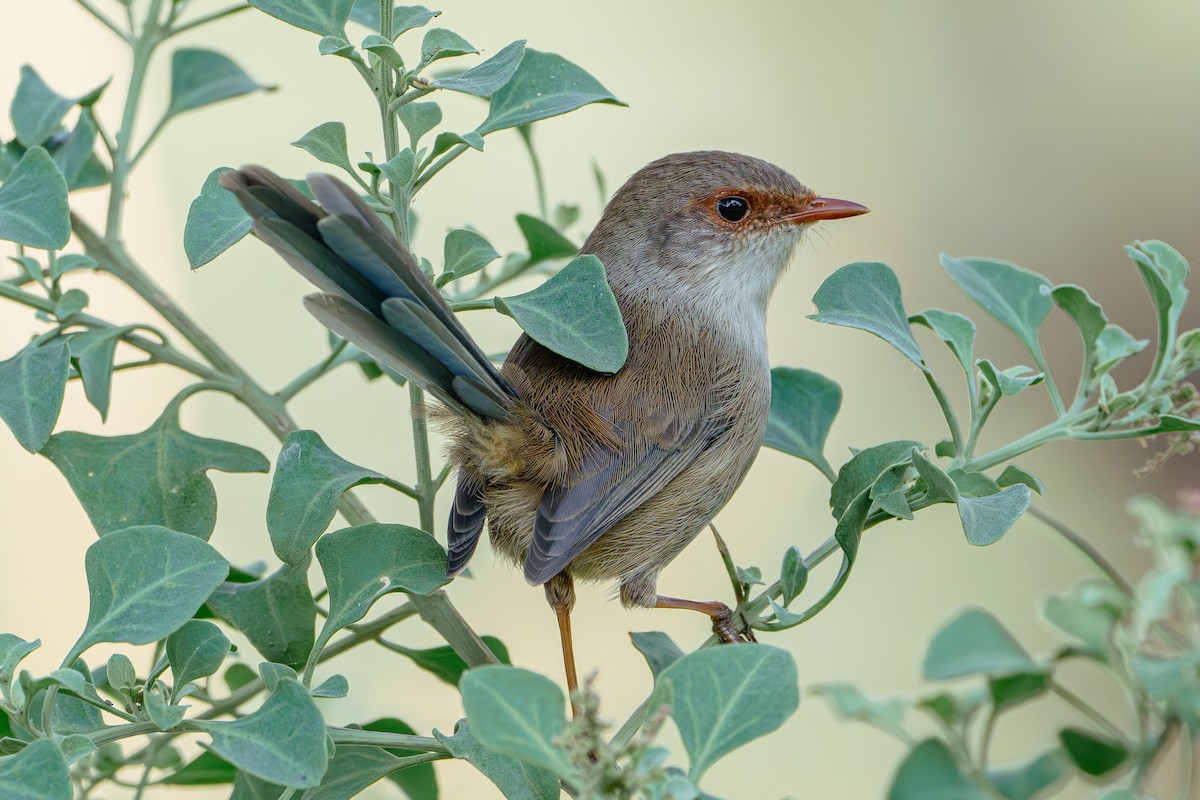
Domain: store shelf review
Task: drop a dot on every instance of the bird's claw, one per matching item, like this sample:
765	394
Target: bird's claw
725	628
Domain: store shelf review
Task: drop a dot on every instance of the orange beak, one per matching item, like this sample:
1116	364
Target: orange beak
821	208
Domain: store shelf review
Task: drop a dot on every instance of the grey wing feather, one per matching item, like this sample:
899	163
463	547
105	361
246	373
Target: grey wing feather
466	522
614	483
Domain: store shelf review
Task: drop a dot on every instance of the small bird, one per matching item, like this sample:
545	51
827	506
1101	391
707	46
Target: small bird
578	474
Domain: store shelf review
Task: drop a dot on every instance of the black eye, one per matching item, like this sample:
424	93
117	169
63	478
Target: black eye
733	208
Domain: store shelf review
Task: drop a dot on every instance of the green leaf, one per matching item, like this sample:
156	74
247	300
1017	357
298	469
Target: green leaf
309	481
37	772
793	575
974	643
1113	346
442	43
404	18
484	80
448	665
327	143
12	650
277	613
1013	475
33	203
889	491
544	242
384	50
120	673
956	330
658	648
1010	690
419	119
984	519
37	109
1092	754
516	779
206	769
401	169
282	742
144	582
1165	274
326	17
1009	382
803	406
202	77
78	149
1087	612
574	314
850	703
544	85
32	384
164	715
445	140
1017	298
156	477
418	782
929	772
333	686
857	474
93	352
724	697
352	769
70	303
1026	781
1089	318
518	713
363	563
215	222
336	46
866	295
195	651
466	252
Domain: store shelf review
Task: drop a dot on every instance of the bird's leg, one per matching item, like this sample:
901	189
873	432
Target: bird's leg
721	615
560	594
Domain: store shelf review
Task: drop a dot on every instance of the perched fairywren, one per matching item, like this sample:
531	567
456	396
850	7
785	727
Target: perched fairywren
579	474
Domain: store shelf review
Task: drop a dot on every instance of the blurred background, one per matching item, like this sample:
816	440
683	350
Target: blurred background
1047	134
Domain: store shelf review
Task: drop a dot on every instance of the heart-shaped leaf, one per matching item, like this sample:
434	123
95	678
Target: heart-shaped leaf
195	651
326	17
33	203
215	222
803	406
203	77
36	772
32	385
723	697
276	613
156	477
543	85
866	295
282	742
518	713
930	771
1017	298
145	582
309	481
574	314
484	80
974	643
516	779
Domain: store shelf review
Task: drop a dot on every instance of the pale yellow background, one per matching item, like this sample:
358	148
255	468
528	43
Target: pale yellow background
1049	134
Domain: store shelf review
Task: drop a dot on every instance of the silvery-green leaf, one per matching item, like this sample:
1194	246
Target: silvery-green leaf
544	85
1018	298
215	222
724	697
33	203
32	385
866	295
485	79
326	17
203	77
803	406
956	330
144	582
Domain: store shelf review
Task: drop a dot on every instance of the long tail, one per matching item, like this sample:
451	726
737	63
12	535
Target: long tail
375	296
